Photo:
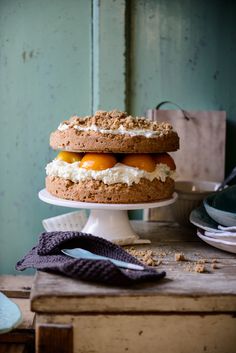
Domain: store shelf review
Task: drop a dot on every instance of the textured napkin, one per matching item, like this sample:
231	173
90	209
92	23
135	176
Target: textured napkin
223	233
47	256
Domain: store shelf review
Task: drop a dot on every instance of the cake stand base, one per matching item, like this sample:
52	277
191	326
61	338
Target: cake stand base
109	221
113	226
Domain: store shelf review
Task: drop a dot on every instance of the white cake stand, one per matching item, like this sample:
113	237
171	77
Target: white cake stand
109	221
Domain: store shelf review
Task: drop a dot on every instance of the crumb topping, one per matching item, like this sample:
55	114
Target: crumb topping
115	120
200	268
179	257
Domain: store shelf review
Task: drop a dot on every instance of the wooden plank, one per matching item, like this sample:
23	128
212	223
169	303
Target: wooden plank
54	338
12	348
150	333
18	337
28	315
192	251
164	231
24	333
169	232
16	286
180	291
183	289
195	135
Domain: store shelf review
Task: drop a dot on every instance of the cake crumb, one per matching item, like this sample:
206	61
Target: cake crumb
162	254
150	262
201	261
179	257
200	268
115	119
188	268
214	266
214	261
145	256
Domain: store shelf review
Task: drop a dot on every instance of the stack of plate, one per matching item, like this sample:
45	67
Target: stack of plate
216	219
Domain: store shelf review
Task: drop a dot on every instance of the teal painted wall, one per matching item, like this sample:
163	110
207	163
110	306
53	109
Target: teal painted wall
185	51
45	76
60	57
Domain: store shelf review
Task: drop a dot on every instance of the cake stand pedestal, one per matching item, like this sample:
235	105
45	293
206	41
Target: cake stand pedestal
109	221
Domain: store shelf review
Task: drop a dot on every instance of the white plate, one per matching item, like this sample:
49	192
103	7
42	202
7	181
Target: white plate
200	219
230	237
45	196
219	244
109	221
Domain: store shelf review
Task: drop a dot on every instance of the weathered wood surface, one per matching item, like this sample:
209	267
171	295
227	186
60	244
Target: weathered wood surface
56	338
13	348
21	339
28	315
23	333
16	286
182	290
150	333
195	134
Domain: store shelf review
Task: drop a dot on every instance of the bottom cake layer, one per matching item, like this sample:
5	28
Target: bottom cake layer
97	191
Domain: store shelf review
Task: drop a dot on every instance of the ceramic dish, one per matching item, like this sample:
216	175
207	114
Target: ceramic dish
219	244
200	218
225	200
197	189
224	236
221	207
10	314
116	227
73	221
190	195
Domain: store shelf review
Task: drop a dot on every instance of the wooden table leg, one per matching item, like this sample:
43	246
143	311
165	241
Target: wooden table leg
54	338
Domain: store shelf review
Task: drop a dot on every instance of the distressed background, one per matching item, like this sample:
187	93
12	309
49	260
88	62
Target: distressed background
61	57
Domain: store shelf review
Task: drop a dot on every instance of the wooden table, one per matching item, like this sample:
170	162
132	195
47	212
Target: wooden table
20	339
185	312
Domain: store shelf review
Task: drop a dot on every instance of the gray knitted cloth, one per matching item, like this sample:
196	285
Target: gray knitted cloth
47	256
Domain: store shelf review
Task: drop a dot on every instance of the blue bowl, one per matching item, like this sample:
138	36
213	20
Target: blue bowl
221	206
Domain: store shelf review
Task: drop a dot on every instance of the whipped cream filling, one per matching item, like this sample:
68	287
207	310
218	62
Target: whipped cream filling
63	127
120	131
120	173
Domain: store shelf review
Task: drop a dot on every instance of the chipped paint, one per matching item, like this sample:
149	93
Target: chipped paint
183	51
46	77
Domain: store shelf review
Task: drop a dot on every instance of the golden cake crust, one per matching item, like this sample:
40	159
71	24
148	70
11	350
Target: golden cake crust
73	139
85	141
97	191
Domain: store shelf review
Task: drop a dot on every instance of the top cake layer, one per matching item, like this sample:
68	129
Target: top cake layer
115	132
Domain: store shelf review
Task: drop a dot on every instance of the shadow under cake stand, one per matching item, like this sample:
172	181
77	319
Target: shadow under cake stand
109	221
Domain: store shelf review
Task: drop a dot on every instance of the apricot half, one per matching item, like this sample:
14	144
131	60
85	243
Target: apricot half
164	158
140	160
98	161
69	157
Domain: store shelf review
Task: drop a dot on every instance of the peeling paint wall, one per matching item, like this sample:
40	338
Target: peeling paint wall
45	76
185	51
61	57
